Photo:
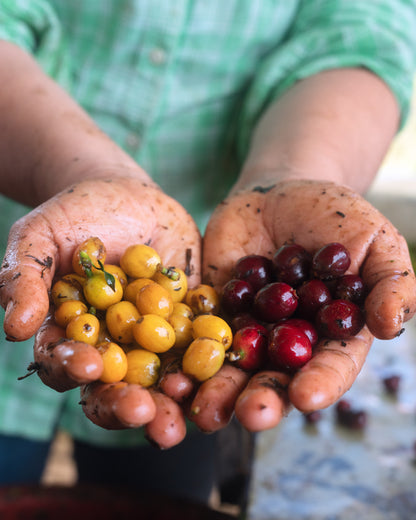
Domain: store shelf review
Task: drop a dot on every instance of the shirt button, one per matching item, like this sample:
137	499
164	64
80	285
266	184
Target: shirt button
133	141
157	56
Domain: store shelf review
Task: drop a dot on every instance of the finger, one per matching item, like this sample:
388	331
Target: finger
389	274
116	406
168	428
331	371
64	364
27	271
213	405
178	386
264	402
172	381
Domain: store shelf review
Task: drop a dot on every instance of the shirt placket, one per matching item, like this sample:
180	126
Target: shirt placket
159	39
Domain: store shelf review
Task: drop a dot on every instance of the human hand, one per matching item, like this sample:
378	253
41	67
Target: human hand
121	212
311	214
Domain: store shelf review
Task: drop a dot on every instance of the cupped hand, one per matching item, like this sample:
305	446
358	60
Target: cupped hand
121	212
311	214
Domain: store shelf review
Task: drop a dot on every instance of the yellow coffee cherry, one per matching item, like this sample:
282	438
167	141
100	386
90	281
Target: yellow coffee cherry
84	328
94	248
133	288
203	299
114	362
210	326
68	310
154	333
173	280
143	367
104	334
120	318
75	278
203	358
183	330
140	261
98	292
182	309
117	271
154	299
67	288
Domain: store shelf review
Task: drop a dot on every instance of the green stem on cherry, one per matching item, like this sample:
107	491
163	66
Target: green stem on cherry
170	272
87	265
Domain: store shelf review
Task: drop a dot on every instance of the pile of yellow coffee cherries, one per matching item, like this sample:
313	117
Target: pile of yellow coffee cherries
135	312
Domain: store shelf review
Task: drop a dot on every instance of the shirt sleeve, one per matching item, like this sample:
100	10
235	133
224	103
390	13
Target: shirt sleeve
34	26
379	35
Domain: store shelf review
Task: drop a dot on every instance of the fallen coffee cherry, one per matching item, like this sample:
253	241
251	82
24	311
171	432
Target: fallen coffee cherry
392	384
350	418
312	417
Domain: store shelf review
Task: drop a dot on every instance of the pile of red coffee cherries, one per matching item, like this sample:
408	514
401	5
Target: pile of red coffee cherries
280	308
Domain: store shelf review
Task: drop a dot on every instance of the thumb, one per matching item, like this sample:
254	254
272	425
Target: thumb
26	308
389	274
26	276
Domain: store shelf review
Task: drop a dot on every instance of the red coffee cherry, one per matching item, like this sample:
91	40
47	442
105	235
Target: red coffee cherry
275	301
339	319
289	348
330	261
292	264
255	269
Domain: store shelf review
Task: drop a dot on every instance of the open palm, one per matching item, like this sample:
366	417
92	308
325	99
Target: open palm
313	214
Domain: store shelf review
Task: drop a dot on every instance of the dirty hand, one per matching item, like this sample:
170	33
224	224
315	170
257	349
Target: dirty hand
121	212
311	214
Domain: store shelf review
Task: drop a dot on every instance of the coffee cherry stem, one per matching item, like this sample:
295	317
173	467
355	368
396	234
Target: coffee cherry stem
88	265
33	368
170	272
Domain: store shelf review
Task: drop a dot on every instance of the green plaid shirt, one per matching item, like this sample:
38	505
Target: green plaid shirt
180	85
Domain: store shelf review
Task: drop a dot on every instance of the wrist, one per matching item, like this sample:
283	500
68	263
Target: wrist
84	169
50	142
265	176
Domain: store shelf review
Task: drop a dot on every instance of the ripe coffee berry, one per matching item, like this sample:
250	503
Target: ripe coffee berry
339	319
237	297
292	264
313	417
350	287
392	384
306	327
254	269
244	320
288	348
275	301
311	296
348	417
331	261
249	348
